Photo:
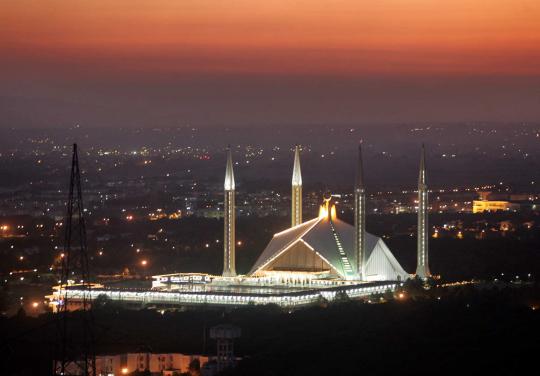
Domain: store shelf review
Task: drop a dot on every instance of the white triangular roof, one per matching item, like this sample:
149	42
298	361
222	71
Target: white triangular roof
332	240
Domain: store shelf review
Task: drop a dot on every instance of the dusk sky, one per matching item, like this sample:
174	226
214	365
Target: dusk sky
210	62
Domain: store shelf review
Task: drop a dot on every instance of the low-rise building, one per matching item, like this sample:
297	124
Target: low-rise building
167	364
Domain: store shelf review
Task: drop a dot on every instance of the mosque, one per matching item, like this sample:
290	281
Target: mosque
313	259
325	247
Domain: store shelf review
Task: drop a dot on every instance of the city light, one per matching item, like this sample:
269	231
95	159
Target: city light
166	99
232	299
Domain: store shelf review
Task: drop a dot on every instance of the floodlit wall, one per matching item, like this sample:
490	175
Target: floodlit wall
173	298
299	258
383	266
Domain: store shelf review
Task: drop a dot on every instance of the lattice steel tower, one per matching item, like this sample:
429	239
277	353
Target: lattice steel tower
75	344
225	336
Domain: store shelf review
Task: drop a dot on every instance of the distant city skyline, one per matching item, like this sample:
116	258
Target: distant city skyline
210	63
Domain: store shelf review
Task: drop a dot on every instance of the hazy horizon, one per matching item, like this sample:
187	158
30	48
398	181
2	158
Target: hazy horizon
169	63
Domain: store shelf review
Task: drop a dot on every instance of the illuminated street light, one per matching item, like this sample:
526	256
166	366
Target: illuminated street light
144	262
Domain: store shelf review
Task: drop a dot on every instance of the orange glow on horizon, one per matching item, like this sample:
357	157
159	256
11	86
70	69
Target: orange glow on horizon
344	37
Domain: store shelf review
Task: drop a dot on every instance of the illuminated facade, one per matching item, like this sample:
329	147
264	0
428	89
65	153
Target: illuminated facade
296	190
229	230
323	248
422	268
156	364
328	248
246	291
480	206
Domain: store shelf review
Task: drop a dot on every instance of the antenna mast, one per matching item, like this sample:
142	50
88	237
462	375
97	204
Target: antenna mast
75	344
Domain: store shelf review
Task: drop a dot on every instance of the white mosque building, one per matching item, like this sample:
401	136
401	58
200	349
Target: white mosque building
326	247
312	259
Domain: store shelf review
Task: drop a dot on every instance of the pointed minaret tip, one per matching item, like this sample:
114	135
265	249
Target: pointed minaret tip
422	172
359	178
229	172
297	173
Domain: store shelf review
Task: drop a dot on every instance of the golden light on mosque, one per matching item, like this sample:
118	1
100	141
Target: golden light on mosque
323	212
326	210
333	214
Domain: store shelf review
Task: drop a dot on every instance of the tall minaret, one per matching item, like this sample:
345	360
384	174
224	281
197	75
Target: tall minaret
229	269
422	268
296	195
360	217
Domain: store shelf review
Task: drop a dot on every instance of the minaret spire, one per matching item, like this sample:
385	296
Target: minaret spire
229	269
360	216
296	194
422	268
